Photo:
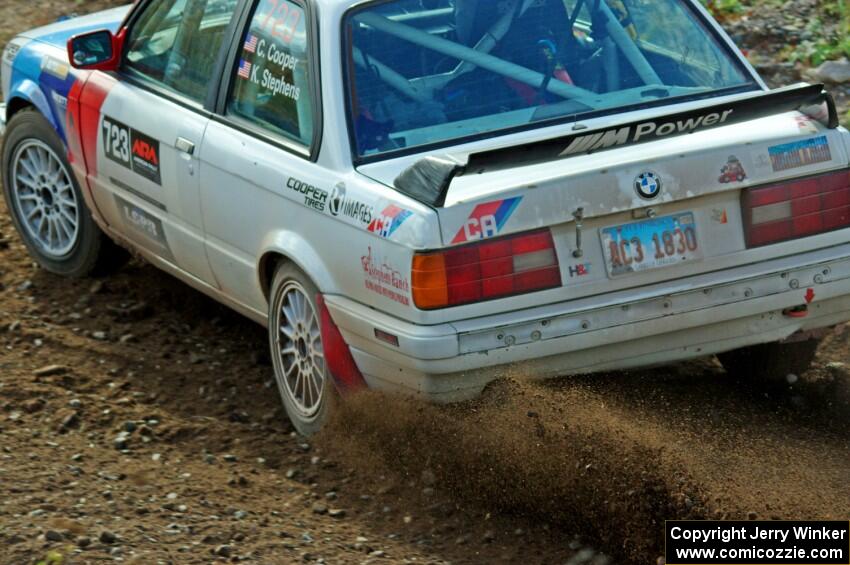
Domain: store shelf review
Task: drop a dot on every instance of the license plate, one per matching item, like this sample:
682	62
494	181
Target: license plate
651	244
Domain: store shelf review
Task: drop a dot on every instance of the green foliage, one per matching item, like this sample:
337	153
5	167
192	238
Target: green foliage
725	9
832	43
830	30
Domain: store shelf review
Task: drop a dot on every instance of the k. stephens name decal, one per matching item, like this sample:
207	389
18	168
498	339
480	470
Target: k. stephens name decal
645	131
132	149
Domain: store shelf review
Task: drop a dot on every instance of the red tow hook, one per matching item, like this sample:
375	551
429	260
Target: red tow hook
797	311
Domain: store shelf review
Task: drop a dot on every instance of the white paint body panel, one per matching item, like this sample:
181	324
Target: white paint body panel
237	199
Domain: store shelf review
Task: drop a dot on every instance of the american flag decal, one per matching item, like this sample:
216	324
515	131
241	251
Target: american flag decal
251	44
244	69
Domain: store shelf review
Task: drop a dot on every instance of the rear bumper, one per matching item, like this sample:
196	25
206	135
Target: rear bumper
667	322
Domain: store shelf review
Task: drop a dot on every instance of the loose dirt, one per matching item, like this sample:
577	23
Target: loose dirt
139	423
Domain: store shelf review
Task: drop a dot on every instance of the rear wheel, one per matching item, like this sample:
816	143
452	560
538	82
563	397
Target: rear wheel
770	361
298	356
46	204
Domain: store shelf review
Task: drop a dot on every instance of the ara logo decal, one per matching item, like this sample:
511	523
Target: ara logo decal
389	220
487	220
145	151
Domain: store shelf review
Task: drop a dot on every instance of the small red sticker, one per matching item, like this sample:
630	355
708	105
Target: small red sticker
810	296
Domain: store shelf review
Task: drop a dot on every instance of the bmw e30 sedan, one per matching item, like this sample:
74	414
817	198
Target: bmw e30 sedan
415	195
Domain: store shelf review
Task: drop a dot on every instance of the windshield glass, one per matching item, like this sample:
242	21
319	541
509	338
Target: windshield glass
429	71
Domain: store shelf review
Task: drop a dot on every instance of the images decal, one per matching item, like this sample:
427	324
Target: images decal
732	171
343	205
487	220
389	221
800	154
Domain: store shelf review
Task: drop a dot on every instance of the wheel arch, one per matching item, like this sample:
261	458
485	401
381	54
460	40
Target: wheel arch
288	247
17	104
26	94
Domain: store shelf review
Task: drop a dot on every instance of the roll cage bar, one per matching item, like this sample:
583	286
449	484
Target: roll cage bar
422	89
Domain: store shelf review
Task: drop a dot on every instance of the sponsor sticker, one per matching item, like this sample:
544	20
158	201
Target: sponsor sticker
131	148
806	124
314	197
342	205
384	280
720	216
144	224
10	51
59	100
649	130
487	220
388	221
732	171
580	270
55	67
800	153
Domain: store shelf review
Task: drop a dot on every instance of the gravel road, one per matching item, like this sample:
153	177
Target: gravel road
139	423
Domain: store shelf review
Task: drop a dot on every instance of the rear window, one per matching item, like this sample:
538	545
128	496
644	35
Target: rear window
425	73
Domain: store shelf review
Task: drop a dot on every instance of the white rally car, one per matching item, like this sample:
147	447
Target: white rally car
415	195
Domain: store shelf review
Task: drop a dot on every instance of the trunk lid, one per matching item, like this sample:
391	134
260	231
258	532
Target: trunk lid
699	179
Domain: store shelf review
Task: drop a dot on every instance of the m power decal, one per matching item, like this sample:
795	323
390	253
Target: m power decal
646	131
487	220
131	148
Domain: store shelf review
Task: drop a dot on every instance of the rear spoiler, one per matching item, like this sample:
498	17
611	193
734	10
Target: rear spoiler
428	180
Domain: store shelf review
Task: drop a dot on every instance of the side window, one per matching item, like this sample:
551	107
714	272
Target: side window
174	43
270	81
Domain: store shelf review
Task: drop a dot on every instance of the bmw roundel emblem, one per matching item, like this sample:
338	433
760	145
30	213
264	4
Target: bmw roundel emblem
648	185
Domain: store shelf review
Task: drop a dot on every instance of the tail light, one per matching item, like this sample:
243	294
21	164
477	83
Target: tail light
797	208
484	271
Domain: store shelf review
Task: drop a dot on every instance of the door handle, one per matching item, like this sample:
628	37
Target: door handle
184	145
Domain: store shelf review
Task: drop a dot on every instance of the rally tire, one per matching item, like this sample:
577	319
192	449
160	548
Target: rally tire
770	362
306	387
40	189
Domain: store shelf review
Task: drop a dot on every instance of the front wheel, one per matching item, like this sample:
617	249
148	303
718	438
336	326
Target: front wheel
298	356
770	361
46	204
